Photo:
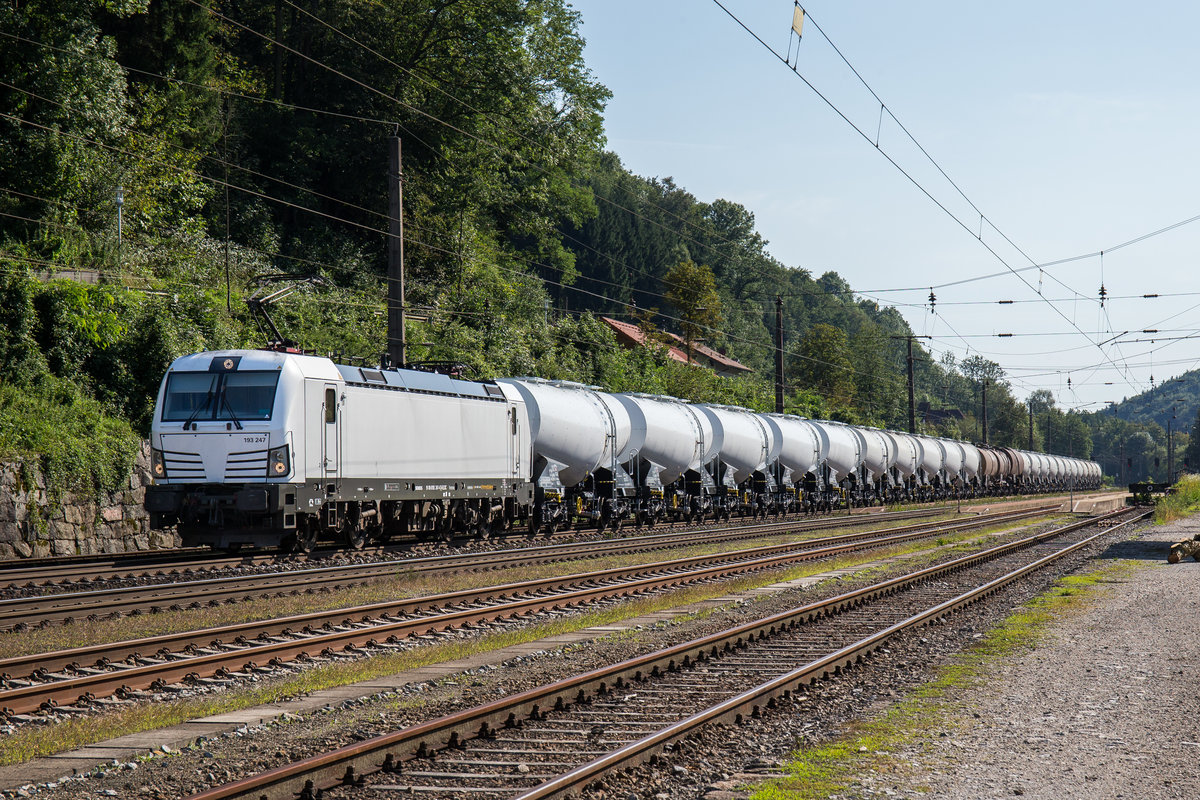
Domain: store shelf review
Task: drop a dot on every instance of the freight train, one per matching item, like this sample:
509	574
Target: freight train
270	448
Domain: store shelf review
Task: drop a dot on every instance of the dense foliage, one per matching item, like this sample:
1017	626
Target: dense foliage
248	142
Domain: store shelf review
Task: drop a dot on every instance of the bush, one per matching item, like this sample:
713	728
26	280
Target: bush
78	446
1182	501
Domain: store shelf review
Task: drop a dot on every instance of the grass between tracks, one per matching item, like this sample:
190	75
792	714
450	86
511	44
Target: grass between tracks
32	742
870	748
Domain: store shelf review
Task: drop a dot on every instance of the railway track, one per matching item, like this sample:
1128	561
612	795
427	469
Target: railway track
60	571
40	682
555	740
64	571
61	607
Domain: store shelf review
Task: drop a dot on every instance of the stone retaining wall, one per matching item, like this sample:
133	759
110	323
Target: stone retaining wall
31	528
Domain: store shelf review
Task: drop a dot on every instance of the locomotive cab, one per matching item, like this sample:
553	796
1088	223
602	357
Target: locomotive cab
224	460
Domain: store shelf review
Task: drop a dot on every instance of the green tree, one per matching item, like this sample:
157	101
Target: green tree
693	293
824	366
979	369
69	102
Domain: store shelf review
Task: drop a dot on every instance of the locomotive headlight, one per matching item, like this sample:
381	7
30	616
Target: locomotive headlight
279	463
158	466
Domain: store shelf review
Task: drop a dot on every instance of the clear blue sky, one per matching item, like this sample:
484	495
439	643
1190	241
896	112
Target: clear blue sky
1072	126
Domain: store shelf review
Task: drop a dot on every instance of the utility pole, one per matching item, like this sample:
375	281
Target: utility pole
1170	453
778	355
1171	443
985	383
912	404
397	347
120	220
1031	426
278	50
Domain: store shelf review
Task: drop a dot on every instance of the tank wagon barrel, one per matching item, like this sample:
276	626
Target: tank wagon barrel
582	437
669	470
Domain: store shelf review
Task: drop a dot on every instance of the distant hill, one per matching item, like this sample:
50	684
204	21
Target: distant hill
1155	405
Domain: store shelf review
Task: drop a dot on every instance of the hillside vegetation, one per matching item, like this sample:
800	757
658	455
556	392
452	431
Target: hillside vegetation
249	144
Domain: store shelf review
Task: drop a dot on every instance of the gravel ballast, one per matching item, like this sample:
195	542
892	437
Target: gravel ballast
713	764
1107	706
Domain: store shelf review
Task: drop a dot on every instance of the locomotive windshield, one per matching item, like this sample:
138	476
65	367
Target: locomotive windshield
236	396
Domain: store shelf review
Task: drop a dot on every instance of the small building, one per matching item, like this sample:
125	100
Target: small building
631	336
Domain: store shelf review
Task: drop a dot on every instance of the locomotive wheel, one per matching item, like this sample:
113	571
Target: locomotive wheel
305	539
357	538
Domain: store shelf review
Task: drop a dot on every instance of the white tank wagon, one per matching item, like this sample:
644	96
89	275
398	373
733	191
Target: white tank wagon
745	454
1057	470
908	454
955	458
581	437
972	463
802	448
801	453
1025	476
669	468
878	452
1038	470
933	460
675	437
843	456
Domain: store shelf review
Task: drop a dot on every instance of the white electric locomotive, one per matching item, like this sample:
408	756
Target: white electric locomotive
272	448
263	448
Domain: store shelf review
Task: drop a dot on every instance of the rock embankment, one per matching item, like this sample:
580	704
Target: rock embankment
32	525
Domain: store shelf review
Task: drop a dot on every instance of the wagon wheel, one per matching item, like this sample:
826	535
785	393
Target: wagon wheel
357	537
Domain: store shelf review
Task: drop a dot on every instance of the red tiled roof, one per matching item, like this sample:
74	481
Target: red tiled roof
631	333
713	355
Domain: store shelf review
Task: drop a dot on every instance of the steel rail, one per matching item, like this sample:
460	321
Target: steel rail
48	572
348	764
69	606
116	651
527	597
766	694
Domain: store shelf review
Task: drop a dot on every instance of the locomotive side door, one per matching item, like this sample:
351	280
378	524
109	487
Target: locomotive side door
514	442
324	426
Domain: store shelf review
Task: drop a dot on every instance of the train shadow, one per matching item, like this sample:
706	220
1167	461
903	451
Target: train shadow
1138	549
